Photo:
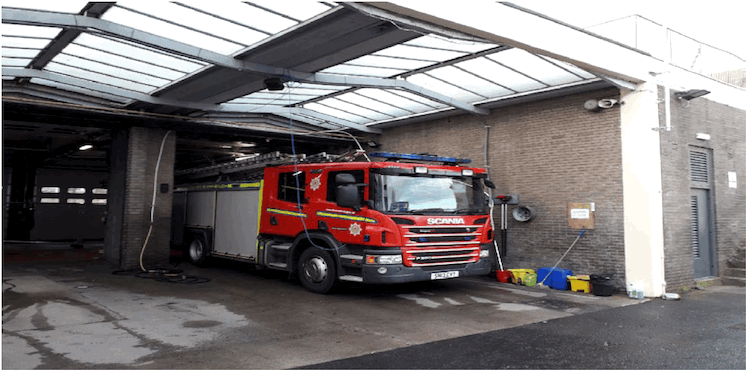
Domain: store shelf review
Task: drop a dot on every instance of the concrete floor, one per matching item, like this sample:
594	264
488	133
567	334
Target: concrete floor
77	315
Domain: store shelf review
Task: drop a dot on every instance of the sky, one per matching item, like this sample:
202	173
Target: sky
719	23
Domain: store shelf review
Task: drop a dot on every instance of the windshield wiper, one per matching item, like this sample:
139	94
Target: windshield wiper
427	210
472	210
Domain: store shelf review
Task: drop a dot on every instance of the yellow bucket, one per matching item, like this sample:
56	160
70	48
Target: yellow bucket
580	283
519	274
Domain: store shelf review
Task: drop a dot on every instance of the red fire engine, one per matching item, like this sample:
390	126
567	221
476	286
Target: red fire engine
391	221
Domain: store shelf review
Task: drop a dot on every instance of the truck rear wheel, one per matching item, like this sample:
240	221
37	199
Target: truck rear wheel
317	270
197	250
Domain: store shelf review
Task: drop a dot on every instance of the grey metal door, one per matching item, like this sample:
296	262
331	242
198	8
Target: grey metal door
701	233
700	213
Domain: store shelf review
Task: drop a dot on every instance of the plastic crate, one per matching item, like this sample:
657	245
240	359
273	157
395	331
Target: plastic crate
557	278
580	283
517	275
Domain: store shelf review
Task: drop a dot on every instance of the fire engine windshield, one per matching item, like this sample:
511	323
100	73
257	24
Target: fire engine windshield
404	194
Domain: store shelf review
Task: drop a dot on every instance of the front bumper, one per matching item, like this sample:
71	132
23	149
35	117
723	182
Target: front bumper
404	274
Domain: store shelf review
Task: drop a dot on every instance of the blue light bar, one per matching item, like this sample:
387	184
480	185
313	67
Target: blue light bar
393	155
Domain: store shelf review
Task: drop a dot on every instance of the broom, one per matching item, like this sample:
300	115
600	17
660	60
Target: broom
542	283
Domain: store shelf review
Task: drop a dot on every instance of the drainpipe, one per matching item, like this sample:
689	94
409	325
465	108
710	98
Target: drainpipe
668	62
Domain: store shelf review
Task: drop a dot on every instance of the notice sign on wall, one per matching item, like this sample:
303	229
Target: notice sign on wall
732	180
581	215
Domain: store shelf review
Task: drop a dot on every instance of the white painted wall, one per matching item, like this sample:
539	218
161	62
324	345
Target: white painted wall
642	189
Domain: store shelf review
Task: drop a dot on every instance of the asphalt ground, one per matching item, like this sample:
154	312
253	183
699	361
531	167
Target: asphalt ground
74	314
703	330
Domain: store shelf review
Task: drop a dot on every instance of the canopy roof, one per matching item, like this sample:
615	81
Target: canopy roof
342	68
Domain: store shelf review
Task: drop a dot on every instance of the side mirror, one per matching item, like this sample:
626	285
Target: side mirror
348	197
489	183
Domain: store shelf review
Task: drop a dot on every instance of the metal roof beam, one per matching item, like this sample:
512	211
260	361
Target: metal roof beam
224	108
505	23
67	36
41	18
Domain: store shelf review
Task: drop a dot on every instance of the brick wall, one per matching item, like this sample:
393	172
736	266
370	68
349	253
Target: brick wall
726	125
551	153
130	210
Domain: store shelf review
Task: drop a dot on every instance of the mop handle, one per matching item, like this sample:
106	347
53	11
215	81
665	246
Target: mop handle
561	258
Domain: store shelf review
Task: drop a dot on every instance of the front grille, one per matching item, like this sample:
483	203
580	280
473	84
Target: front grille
440	257
441	245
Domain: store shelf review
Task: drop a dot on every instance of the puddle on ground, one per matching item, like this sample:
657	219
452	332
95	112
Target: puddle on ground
100	325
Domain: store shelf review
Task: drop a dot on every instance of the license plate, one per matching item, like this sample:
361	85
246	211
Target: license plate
444	275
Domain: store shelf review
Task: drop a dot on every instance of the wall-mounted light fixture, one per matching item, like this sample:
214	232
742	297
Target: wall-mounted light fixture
691	94
596	105
703	136
274	84
85	147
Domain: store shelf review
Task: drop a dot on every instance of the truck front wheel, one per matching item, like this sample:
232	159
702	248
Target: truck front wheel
197	250
317	270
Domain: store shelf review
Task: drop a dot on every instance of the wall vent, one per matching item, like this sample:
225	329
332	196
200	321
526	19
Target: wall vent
694	232
699	167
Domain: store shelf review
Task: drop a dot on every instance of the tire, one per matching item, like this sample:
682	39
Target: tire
197	250
317	270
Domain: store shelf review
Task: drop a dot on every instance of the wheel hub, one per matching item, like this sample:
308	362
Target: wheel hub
195	250
315	269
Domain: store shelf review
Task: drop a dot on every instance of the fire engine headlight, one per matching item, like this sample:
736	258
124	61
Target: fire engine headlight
392	259
484	253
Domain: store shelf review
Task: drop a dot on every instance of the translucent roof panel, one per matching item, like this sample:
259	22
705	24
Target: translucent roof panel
244	14
19	53
283	95
16	62
534	67
571	68
305	119
266	97
139	53
469	81
22	42
367	113
98	77
345	115
297	10
373	104
416	98
261	101
171	29
501	75
435	42
450	90
67	6
419	53
360	70
402	103
30	31
201	21
389	62
122	59
77	89
110	70
292	94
